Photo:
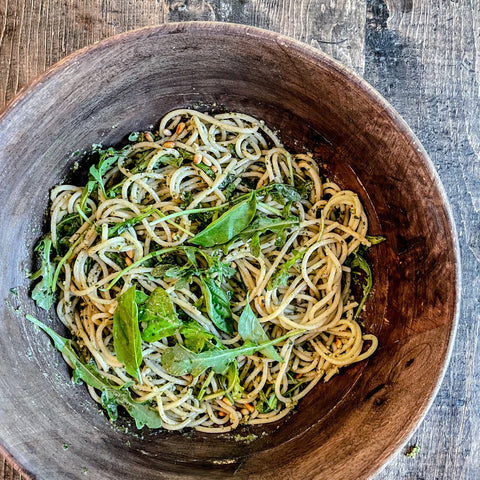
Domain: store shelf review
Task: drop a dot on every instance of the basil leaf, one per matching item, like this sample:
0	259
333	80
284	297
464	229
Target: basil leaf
196	338
126	333
251	330
44	291
363	265
218	305
141	412
178	360
280	277
228	225
159	315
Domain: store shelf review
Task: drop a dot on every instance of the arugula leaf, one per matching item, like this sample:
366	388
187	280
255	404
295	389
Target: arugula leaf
255	248
140	412
121	227
251	330
360	262
44	291
262	224
159	314
66	228
126	333
375	240
109	404
288	192
218	305
227	226
280	277
185	154
196	338
178	360
206	169
107	159
117	258
232	150
233	379
266	405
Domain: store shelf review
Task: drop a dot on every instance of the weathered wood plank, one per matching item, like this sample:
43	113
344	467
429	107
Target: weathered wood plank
422	57
36	34
337	28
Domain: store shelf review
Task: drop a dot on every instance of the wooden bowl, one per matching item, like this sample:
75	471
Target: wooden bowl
347	427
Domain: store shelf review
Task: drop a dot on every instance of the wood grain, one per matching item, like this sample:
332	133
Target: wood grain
423	56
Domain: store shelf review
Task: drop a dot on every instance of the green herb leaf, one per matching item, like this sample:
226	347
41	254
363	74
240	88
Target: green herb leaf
280	277
375	240
360	263
218	305
196	338
255	248
288	192
206	169
107	159
121	227
141	412
266	405
251	330
178	360
65	229
159	314
109	403
126	333
44	291
233	378
227	226
263	224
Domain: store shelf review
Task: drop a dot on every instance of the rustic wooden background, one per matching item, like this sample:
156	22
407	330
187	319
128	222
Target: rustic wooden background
422	55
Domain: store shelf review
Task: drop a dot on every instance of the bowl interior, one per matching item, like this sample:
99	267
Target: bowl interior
127	83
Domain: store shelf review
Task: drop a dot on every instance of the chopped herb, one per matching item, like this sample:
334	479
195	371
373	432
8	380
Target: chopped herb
412	451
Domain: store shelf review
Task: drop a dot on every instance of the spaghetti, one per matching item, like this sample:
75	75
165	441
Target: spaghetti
205	273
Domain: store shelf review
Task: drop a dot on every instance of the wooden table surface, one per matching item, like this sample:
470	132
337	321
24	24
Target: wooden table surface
422	55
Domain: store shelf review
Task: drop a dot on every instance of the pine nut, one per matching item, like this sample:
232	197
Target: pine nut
227	402
167	133
207	162
214	169
169	144
249	407
129	253
197	158
128	261
180	128
244	411
148	136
